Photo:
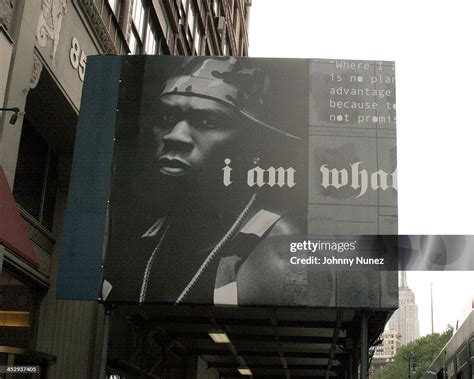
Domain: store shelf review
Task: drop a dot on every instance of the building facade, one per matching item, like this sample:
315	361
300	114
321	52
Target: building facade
385	351
405	319
391	342
44	46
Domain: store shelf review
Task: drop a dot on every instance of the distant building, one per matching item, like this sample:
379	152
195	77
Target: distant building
405	319
390	344
385	352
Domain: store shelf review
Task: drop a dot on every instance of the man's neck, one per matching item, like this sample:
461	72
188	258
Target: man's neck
209	206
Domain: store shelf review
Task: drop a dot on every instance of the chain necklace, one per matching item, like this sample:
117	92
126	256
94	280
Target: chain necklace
215	251
146	275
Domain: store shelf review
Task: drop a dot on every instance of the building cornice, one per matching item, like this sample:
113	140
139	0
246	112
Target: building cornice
95	21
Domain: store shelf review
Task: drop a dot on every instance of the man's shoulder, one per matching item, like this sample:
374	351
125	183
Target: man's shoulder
287	225
267	274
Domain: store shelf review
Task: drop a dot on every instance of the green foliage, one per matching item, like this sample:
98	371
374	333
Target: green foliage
424	349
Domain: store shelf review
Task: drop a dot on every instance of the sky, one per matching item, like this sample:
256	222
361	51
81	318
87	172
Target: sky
431	44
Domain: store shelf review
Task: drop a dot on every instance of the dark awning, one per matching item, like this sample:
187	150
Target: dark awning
274	342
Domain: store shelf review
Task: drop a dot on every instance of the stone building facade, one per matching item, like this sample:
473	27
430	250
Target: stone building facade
405	319
44	46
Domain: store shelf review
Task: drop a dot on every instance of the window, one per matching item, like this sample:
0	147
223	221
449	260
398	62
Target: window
182	11
133	44
462	357
144	37
137	31
19	305
237	31
115	6
450	370
36	176
190	30
193	33
150	39
197	40
225	46
138	17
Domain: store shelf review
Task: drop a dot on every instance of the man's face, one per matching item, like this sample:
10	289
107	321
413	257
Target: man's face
194	134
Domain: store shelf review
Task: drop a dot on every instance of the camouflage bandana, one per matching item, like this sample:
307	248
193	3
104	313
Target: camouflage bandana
237	83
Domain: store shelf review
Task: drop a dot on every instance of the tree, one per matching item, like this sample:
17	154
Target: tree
425	350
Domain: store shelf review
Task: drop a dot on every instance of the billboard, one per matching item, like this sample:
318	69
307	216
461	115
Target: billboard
208	176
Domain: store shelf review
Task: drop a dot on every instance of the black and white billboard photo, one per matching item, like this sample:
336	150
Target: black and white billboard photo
224	174
208	181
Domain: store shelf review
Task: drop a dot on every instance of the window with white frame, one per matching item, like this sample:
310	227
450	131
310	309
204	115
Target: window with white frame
138	27
197	39
194	33
151	39
115	6
191	23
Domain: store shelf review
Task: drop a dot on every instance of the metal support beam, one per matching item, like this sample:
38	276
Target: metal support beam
105	342
335	336
349	368
364	347
284	363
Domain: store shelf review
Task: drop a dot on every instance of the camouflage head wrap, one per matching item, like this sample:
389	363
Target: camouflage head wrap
237	83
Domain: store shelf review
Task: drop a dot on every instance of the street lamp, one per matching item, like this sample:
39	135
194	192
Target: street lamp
15	111
411	364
